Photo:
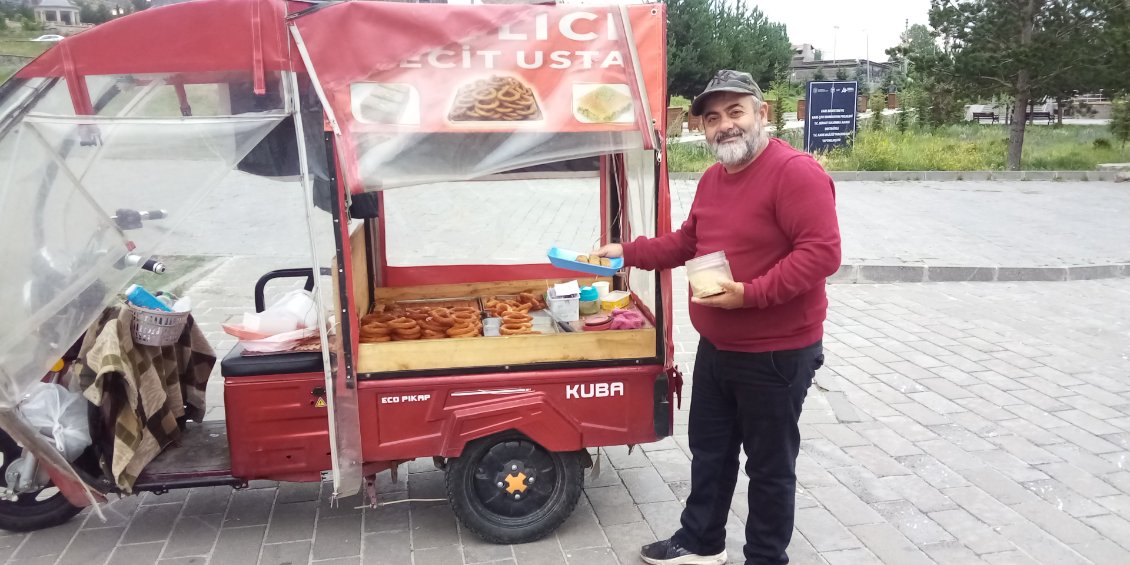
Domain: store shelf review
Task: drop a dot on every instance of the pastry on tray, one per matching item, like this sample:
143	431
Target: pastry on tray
493	99
603	104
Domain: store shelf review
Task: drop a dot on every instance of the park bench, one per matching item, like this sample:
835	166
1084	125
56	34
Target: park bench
985	116
1033	116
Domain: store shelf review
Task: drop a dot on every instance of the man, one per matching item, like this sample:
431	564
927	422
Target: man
772	210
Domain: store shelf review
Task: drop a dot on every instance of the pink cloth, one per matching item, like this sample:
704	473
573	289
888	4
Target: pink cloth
626	320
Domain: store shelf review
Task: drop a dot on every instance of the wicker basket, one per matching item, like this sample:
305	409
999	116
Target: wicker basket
157	328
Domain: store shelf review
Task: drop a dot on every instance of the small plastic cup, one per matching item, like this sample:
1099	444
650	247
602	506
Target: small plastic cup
602	288
492	327
707	273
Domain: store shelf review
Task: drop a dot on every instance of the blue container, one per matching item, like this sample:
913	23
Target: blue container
566	259
138	296
589	293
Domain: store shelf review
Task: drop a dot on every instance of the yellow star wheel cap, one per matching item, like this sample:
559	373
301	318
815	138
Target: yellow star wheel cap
516	483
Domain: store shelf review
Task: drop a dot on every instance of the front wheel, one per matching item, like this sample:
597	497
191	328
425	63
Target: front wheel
30	511
508	489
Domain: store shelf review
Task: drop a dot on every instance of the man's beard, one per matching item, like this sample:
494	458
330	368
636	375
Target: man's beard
733	154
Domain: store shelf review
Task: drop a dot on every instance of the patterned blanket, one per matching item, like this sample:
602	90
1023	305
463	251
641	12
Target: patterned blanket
153	388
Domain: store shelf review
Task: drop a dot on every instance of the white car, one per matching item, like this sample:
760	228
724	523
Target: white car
49	38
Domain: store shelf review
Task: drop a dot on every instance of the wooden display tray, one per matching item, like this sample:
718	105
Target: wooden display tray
503	350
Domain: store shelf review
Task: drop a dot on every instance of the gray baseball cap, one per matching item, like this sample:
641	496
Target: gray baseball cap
727	81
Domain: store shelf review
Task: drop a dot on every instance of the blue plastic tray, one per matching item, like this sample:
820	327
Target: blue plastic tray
565	259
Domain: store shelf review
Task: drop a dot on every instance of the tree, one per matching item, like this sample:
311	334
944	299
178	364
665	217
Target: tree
1026	49
693	56
915	42
1120	120
877	101
841	74
779	91
819	74
751	42
704	36
93	13
902	121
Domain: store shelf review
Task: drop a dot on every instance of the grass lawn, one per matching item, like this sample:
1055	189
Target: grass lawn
965	147
18	44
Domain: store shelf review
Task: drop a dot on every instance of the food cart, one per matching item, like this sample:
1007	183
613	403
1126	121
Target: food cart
370	107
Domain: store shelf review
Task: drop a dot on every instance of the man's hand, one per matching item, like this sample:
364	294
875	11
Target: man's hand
611	250
733	297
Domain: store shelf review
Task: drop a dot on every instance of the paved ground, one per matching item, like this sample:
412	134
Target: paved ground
954	423
960	223
961	423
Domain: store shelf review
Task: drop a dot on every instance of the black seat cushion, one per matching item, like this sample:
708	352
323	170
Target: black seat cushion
235	364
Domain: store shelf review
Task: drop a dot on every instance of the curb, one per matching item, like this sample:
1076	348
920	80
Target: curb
889	176
865	274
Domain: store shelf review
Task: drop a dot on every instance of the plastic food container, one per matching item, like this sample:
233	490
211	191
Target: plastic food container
565	309
567	259
706	273
602	288
616	299
589	301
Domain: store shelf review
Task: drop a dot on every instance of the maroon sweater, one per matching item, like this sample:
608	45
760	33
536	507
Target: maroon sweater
776	221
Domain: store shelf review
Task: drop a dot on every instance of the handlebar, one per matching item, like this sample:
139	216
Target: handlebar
127	219
151	265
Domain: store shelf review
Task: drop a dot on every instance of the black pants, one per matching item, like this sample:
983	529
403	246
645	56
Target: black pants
752	400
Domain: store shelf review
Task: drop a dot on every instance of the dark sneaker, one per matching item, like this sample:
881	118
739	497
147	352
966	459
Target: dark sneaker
667	552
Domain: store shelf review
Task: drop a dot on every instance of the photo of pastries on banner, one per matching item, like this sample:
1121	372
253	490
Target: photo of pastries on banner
603	103
385	103
497	98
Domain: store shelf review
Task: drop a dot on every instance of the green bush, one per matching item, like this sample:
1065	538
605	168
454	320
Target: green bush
963	147
1120	120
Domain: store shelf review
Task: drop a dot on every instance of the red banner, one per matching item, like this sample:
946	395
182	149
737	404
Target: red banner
484	68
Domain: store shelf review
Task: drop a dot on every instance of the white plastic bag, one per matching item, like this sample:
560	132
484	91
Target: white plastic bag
289	317
60	415
299	304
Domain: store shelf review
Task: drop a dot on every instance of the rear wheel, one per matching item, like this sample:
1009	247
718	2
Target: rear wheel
30	511
508	489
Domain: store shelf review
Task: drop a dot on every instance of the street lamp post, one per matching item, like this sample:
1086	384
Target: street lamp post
835	34
867	39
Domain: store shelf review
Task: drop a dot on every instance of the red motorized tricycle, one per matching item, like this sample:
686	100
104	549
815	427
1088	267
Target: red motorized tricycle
413	129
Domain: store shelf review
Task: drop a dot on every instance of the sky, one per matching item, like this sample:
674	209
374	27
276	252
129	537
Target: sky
861	22
865	26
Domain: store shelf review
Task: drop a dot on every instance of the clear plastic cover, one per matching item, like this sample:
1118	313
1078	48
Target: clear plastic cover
641	213
492	222
66	192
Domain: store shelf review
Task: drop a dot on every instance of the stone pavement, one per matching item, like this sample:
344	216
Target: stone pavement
963	423
954	423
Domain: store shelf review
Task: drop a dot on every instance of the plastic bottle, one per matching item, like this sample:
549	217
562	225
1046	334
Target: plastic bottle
138	296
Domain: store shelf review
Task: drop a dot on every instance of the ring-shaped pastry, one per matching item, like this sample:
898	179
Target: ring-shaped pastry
517	318
514	329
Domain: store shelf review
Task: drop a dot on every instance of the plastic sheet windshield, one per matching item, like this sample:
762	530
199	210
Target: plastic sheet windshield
457	93
79	195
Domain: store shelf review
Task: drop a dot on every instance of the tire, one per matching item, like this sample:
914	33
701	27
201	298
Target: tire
34	510
547	486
